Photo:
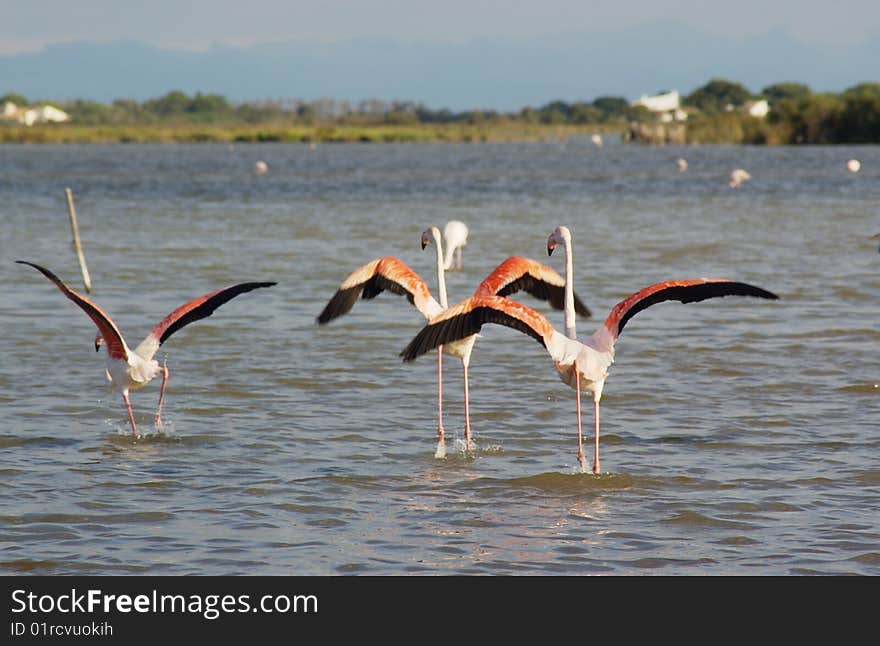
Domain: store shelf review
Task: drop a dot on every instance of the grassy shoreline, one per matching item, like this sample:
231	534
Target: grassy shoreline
239	133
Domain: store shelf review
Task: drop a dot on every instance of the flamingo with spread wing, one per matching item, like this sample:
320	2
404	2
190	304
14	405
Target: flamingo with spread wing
133	369
392	274
582	365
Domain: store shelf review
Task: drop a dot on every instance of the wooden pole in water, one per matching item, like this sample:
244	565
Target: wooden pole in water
77	245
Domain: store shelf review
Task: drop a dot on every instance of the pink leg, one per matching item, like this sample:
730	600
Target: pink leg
458	258
441	436
134	428
596	444
467	413
165	374
577	389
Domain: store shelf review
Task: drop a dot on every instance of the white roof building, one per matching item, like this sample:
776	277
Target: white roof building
757	108
667	106
30	116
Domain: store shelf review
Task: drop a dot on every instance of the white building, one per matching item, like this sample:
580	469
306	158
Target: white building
757	108
666	106
30	116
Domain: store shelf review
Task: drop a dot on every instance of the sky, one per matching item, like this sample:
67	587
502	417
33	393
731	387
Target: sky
28	26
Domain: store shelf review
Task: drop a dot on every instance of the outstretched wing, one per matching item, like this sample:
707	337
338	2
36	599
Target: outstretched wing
685	291
116	347
191	311
541	281
387	273
467	317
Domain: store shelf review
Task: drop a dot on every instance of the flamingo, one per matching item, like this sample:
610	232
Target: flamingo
392	274
738	177
682	164
455	235
581	365
853	165
133	369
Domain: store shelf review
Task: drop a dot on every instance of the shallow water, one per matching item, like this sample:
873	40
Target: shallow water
740	436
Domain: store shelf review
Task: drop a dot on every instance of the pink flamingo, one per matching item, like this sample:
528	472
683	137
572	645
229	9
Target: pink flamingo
390	273
133	369
581	365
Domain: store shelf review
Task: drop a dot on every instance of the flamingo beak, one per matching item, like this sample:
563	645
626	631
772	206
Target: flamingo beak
425	241
99	341
551	245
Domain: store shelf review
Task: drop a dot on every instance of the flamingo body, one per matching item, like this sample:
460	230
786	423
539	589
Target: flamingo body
455	235
128	369
738	177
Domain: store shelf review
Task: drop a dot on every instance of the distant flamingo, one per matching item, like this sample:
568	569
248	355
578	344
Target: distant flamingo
682	164
853	165
738	177
583	366
133	369
597	140
455	235
511	276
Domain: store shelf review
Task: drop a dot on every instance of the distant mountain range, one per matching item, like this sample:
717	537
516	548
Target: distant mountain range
494	73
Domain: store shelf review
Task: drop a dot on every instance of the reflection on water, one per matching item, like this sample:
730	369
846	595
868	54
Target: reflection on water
738	437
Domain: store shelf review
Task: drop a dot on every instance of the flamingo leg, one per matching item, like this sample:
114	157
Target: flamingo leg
127	401
458	258
577	390
441	436
467	412
596	441
165	374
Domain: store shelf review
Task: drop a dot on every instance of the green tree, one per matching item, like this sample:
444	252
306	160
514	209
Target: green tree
787	90
209	105
582	113
612	107
859	118
716	95
555	112
12	97
173	103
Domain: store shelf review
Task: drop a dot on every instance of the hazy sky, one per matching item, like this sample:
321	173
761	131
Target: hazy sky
28	25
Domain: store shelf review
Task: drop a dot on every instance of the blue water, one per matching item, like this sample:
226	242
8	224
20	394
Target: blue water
740	436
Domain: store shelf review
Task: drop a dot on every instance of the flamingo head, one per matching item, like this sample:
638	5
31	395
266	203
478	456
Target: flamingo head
99	341
429	234
560	235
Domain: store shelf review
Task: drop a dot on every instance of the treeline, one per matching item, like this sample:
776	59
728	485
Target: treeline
797	115
714	113
178	107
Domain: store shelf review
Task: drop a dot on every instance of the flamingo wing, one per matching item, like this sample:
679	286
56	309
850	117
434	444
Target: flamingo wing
112	337
191	311
387	273
541	281
685	291
468	317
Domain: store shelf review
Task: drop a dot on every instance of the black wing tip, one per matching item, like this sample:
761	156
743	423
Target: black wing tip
46	272
580	308
759	292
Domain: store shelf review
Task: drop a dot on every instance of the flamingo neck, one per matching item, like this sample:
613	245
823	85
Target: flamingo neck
570	326
441	268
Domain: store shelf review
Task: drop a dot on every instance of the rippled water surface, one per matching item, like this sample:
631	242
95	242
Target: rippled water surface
740	436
